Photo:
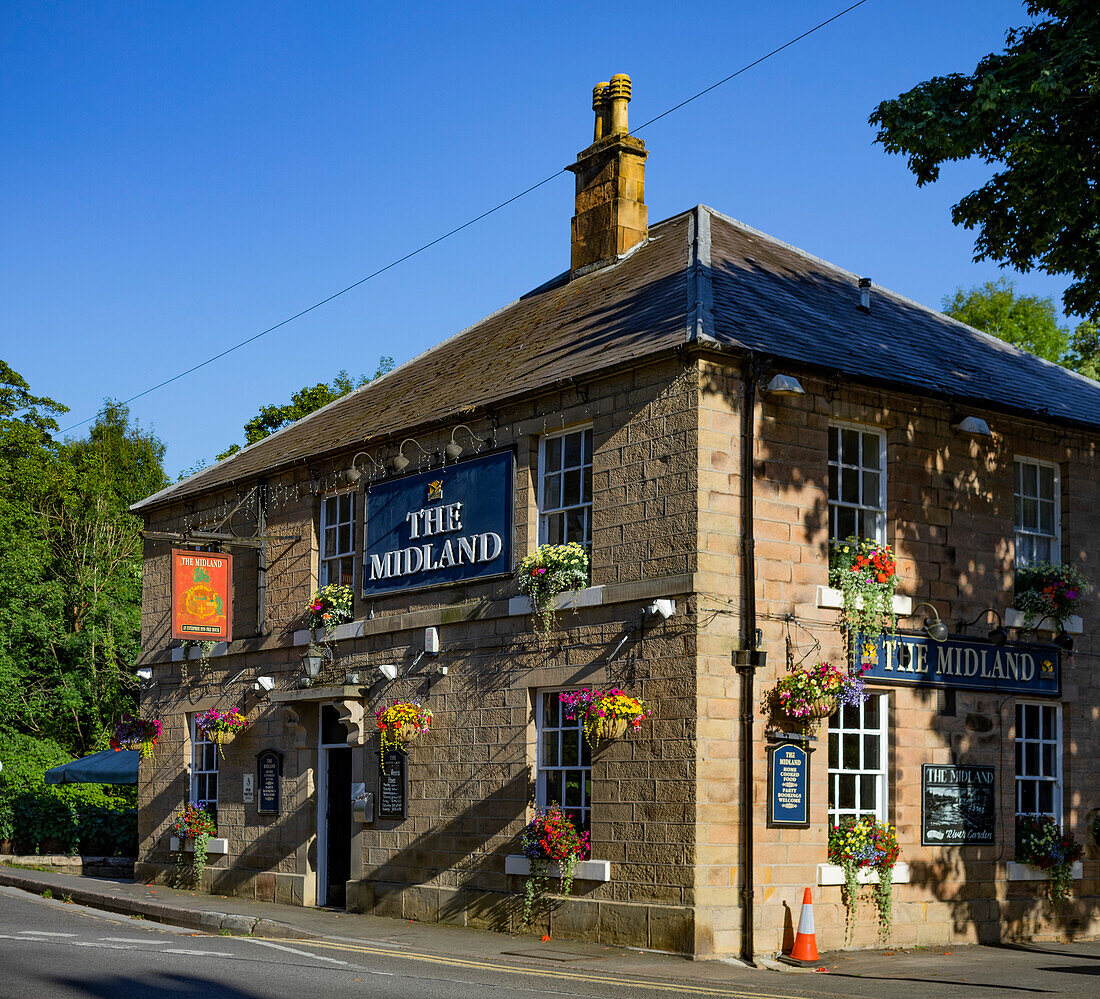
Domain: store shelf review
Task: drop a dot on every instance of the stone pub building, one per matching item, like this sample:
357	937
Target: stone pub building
704	407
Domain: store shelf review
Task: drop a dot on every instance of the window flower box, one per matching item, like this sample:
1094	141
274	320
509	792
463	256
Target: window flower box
1072	623
215	844
833	599
585	870
833	874
1023	872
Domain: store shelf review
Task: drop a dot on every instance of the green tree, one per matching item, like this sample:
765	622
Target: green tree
302	403
70	567
1031	111
1028	321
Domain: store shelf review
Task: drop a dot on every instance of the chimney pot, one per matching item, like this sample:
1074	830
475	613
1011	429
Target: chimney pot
618	93
602	109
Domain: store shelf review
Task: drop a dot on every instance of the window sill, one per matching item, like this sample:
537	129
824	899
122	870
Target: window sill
833	874
213	845
590	596
834	599
1021	872
219	649
342	632
586	870
1073	624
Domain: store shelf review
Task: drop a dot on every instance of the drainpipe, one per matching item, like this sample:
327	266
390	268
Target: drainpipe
749	657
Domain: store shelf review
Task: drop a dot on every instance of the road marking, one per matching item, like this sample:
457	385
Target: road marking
573	976
195	953
266	943
100	946
137	940
45	933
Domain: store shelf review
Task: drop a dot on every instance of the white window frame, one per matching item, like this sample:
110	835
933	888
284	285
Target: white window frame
1055	538
202	751
326	558
878	508
545	509
1021	739
542	769
881	773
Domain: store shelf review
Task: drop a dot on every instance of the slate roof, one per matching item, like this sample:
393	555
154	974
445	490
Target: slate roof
699	276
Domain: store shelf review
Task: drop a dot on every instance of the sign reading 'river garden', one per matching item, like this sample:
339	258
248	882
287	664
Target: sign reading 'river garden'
446	525
957	805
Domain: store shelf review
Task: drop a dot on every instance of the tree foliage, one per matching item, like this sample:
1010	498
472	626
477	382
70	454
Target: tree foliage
303	402
70	567
1027	321
1032	111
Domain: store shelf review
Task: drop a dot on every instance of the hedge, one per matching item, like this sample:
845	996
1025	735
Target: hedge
93	819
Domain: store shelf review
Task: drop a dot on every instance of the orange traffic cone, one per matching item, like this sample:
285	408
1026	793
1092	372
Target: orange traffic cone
805	943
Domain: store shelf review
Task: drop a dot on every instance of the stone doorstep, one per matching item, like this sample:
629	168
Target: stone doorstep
1021	872
834	600
833	874
586	870
215	844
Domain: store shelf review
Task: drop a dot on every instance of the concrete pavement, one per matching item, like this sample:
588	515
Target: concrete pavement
1067	969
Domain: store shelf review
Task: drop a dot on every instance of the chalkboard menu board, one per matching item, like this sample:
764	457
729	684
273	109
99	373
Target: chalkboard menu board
788	786
269	765
393	789
957	805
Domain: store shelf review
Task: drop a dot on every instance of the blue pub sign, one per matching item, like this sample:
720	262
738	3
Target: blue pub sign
446	525
965	664
788	785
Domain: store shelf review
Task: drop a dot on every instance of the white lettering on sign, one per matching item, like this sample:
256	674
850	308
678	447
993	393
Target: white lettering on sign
429	557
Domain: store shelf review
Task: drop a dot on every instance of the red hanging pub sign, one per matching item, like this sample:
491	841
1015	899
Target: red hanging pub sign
202	596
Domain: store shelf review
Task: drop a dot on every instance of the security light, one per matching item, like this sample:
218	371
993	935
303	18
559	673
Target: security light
264	683
662	608
388	670
145	673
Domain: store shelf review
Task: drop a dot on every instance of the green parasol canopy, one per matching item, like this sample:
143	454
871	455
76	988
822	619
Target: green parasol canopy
109	767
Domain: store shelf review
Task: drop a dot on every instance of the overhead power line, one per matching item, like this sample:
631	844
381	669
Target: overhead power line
469	222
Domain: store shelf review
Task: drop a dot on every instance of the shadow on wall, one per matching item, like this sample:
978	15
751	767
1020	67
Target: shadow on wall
950	516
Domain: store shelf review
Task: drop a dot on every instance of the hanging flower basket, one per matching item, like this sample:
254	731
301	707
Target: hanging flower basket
815	692
604	714
822	707
1049	591
136	733
331	605
221	728
402	722
552	569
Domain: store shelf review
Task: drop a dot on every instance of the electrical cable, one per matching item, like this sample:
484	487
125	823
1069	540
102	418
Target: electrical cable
465	225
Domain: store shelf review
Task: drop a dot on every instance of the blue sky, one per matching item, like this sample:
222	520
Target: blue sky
180	177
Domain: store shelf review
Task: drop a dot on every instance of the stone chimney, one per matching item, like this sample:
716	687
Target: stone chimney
611	215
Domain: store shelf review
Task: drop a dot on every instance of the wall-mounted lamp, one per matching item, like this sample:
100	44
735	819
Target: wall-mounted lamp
975	426
1063	639
314	658
784	385
264	683
145	673
388	670
662	608
933	625
353	474
998	635
431	641
400	463
454	449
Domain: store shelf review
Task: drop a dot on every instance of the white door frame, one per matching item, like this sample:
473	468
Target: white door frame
322	806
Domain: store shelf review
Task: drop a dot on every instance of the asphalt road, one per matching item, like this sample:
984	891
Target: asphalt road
53	950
